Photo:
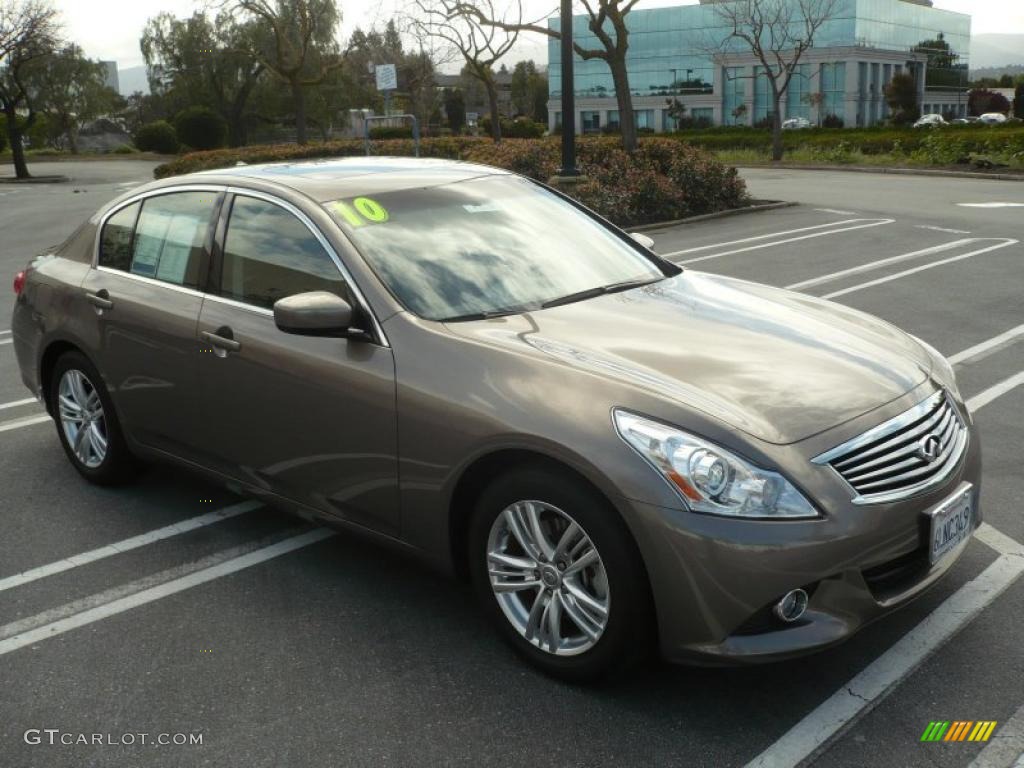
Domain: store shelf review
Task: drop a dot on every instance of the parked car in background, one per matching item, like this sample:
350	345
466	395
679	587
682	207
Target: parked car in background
992	118
796	123
930	121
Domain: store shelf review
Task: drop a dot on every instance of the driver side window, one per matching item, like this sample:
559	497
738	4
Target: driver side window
270	254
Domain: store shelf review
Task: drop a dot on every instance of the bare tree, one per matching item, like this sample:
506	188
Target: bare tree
614	42
296	41
479	43
778	33
28	32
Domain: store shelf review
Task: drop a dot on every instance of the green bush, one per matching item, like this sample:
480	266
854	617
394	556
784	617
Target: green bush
158	136
391	132
3	133
125	149
201	128
520	128
665	179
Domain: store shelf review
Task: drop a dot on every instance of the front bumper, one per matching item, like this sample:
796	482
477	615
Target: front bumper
715	580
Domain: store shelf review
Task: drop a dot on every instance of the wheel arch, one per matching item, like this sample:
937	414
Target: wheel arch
48	361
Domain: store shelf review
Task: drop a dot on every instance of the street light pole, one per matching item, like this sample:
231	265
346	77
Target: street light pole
568	95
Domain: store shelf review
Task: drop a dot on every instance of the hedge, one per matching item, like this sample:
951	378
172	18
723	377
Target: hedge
158	136
201	128
664	179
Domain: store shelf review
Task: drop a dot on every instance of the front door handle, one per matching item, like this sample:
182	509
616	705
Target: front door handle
100	299
221	340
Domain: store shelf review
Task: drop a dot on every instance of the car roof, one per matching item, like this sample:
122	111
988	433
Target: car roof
333	178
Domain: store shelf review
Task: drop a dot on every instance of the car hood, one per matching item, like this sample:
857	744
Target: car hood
779	365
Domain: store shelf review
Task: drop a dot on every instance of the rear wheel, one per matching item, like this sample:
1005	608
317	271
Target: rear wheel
87	424
556	568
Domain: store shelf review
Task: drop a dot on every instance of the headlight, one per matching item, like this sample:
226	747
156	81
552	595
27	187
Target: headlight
709	478
942	371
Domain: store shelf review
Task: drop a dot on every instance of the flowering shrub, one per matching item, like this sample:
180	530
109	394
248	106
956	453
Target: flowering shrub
664	179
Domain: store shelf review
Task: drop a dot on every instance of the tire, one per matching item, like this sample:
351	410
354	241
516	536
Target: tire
590	643
74	379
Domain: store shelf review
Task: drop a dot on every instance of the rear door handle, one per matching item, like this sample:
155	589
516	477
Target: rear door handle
100	299
221	341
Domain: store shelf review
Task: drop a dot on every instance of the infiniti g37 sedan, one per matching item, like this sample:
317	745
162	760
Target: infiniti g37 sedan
615	452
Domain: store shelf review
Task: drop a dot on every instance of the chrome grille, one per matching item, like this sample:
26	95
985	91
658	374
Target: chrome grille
903	456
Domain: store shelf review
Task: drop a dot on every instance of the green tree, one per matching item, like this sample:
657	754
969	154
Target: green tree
71	90
295	40
28	33
1018	100
530	91
901	96
944	67
455	109
198	61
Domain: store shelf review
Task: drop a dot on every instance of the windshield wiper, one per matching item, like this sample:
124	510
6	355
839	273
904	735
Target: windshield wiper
486	314
600	290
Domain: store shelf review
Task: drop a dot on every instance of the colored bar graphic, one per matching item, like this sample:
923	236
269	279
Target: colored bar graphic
959	730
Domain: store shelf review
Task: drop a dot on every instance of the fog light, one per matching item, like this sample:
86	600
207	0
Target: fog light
792	606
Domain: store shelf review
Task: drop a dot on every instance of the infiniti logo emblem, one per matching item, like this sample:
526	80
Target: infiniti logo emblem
928	448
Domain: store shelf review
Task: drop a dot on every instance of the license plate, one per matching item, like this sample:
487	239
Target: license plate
952	523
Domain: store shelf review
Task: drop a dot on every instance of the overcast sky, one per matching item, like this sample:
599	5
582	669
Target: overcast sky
110	29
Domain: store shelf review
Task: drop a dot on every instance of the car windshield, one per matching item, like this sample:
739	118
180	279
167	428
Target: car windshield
487	246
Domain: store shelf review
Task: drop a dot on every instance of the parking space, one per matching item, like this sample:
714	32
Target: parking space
188	610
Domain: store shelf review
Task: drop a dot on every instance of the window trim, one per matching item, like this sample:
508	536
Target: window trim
214	242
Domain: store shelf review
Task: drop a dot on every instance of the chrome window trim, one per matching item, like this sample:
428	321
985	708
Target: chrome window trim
325	244
218	188
895	424
152	281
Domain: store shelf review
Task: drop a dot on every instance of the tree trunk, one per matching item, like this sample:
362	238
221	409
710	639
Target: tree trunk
627	121
73	138
492	101
17	150
299	97
777	128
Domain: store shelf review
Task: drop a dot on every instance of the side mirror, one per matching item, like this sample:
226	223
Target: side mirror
644	240
316	313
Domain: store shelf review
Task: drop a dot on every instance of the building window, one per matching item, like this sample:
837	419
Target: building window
762	95
590	121
558	120
797	104
612	119
833	89
734	93
703	116
644	118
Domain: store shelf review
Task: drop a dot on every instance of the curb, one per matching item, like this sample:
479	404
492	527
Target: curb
767	206
35	180
893	171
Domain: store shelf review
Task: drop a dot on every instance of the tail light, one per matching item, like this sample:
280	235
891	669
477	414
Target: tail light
19	281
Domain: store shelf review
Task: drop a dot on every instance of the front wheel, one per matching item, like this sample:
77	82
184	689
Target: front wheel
87	424
555	566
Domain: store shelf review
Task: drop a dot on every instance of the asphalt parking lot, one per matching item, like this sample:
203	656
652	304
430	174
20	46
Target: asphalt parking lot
173	607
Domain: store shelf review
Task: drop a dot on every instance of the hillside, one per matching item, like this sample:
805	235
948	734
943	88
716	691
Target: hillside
994	50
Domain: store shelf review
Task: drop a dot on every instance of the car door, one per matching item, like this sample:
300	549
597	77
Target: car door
311	418
144	300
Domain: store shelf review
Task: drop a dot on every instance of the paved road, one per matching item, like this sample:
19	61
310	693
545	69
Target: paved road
341	654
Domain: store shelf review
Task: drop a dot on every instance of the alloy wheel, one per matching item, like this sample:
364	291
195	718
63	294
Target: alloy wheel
548	578
82	418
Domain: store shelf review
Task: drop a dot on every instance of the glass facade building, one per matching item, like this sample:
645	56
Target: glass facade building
855	55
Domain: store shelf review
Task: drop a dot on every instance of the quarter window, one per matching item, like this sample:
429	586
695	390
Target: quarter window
170	237
270	254
116	242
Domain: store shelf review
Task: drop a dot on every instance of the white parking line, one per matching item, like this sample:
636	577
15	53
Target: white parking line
6	341
914	270
944	229
16	403
125	545
26	421
151	594
1007	748
863	693
878	264
768	236
834	210
986	346
772	244
5	333
878	679
987	396
991	205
